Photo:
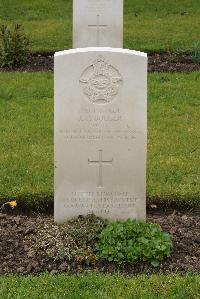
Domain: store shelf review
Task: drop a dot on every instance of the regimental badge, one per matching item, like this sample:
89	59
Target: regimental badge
100	82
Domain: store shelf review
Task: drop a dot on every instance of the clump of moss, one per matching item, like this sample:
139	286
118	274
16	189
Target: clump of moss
85	232
72	241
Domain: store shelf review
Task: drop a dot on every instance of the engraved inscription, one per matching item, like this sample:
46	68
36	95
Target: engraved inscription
100	82
98	28
98	5
100	202
100	162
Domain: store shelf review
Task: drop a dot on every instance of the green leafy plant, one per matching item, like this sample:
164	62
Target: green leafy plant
196	52
14	46
133	241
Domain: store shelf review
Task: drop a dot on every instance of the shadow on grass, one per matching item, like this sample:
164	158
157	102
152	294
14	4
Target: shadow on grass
31	204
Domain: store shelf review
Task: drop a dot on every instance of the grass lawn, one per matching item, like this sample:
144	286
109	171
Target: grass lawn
100	286
148	25
26	147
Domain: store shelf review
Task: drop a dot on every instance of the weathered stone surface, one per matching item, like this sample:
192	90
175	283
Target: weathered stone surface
100	133
98	23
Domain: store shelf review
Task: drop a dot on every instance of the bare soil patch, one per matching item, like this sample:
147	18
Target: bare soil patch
20	234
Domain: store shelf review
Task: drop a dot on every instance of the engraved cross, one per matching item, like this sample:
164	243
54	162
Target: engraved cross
100	162
98	26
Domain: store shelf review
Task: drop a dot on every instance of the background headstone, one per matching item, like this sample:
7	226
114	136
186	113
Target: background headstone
97	23
100	133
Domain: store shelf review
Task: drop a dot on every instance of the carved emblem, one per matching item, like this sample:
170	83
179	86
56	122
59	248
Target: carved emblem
100	82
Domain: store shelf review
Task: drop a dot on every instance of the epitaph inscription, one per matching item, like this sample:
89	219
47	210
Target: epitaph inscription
100	202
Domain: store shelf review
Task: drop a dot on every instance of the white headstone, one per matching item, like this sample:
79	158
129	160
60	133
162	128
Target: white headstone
98	23
100	133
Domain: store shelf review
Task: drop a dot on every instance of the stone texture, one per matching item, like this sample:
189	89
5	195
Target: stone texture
97	23
100	133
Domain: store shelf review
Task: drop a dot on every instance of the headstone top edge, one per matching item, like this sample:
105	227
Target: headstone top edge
100	49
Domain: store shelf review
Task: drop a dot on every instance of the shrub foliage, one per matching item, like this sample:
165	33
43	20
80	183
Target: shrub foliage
14	46
196	52
133	241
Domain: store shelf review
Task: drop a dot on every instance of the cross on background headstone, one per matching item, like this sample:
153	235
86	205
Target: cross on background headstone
98	27
97	23
100	163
